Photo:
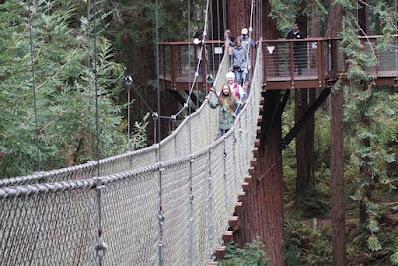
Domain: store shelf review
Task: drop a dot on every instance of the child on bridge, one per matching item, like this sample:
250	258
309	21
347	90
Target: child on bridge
228	104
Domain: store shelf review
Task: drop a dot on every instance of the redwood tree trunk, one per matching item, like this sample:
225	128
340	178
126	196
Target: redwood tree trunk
217	18
304	146
262	215
305	138
238	15
337	179
337	152
270	188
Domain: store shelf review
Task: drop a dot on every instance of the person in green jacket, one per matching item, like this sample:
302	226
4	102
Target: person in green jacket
228	104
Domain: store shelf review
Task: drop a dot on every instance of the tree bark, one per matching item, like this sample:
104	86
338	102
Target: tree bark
337	151
304	145
217	19
270	188
238	15
337	179
305	138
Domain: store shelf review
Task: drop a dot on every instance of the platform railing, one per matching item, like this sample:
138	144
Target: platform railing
313	59
179	60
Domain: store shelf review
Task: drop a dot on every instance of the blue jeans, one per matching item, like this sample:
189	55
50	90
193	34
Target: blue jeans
240	76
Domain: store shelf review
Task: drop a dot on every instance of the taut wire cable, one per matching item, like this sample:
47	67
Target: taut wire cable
30	12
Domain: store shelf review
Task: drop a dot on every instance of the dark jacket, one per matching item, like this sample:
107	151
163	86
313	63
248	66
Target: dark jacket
239	58
296	35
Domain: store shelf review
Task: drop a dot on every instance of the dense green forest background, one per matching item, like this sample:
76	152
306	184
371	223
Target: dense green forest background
54	125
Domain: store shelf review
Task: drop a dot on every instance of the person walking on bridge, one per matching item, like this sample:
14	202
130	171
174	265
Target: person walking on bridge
240	61
236	88
228	106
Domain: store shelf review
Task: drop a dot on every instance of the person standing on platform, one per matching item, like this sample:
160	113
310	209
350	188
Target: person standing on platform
298	48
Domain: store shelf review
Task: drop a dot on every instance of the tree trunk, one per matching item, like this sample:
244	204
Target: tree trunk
304	145
238	15
268	198
305	138
217	19
269	29
337	151
337	179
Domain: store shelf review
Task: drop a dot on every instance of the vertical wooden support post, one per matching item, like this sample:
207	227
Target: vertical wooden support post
265	61
162	60
174	58
291	61
337	178
334	59
320	63
377	57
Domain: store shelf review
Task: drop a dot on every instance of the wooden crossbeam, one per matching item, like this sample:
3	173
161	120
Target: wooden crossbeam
297	127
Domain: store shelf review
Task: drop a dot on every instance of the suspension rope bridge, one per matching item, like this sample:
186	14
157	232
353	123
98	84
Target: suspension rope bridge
50	217
167	204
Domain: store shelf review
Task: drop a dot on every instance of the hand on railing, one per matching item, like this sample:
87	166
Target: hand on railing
211	90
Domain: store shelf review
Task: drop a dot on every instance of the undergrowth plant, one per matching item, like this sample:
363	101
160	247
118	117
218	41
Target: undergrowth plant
252	255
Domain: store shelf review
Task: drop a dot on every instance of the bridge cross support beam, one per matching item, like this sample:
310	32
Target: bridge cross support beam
300	124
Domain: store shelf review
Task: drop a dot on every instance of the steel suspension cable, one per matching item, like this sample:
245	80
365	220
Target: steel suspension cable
251	17
203	45
224	7
157	73
100	246
30	22
190	197
189	50
97	155
161	217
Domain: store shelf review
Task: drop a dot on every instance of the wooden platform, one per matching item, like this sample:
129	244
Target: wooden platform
280	67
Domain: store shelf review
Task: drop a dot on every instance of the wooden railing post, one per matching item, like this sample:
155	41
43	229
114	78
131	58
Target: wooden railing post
334	58
163	60
377	58
265	51
174	58
292	63
320	63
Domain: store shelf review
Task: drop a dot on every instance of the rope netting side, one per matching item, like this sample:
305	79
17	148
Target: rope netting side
56	223
179	140
52	225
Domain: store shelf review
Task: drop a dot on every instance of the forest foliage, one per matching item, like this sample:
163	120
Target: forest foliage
48	101
370	132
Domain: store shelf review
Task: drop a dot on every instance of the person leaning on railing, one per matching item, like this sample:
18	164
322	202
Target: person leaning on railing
228	104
